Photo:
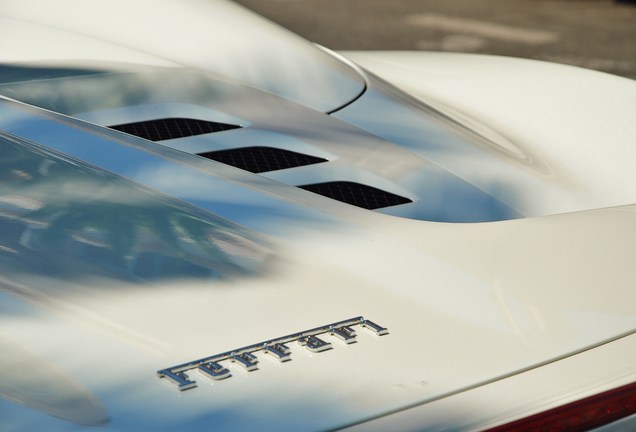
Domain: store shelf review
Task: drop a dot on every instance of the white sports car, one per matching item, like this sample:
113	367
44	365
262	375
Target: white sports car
209	223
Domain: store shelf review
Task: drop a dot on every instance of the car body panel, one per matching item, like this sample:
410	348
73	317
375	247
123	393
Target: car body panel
569	129
468	305
122	257
86	34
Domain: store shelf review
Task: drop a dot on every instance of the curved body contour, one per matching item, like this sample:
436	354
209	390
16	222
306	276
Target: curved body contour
308	242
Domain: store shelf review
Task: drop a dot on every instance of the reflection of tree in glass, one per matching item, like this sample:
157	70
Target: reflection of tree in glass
85	210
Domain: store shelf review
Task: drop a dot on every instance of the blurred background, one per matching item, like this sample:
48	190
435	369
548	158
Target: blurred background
595	34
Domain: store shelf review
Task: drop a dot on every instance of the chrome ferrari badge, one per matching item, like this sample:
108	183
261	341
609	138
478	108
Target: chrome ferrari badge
245	357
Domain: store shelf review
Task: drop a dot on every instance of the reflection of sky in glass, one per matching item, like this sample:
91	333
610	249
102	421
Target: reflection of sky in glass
66	219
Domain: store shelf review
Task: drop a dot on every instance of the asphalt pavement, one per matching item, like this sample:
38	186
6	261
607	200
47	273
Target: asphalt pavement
596	34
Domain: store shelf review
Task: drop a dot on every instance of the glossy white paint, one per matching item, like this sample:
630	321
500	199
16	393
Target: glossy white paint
524	394
353	153
541	306
465	304
568	131
216	36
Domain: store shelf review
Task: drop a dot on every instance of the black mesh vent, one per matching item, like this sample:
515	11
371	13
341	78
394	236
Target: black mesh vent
169	128
262	159
357	194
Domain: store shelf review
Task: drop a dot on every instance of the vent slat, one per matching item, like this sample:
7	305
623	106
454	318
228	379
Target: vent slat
357	194
262	159
170	128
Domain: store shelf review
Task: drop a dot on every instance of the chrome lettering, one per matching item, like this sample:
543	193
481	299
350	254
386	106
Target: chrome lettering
180	379
279	351
314	343
213	366
379	330
214	371
247	360
344	333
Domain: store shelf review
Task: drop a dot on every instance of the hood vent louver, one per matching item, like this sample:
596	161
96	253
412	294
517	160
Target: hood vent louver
259	159
171	128
262	159
357	194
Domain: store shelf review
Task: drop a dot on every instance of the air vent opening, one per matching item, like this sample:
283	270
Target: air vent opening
262	159
171	128
357	194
